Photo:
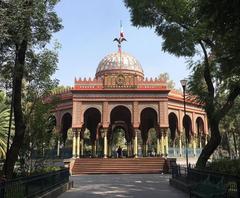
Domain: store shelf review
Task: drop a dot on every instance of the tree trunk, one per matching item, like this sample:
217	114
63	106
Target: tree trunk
213	143
12	154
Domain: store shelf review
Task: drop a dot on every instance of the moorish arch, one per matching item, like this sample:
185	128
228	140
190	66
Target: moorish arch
66	123
200	131
120	121
148	120
173	127
187	125
92	118
120	113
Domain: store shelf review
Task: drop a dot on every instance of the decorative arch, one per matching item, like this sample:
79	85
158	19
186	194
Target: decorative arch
200	131
62	113
187	124
121	113
153	106
112	106
92	119
173	125
66	123
97	106
120	120
148	120
91	122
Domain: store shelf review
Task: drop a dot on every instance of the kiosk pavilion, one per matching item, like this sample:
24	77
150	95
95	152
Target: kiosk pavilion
120	99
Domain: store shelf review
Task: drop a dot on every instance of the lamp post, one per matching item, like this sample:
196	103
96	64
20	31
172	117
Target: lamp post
184	84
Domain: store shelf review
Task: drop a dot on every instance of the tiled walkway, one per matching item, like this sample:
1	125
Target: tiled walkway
123	185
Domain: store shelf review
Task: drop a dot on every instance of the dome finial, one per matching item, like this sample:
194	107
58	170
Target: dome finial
121	38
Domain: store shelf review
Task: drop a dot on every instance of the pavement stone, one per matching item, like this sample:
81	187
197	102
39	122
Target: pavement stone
123	185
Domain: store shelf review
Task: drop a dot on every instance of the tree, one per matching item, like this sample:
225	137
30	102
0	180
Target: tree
26	29
230	125
165	77
210	30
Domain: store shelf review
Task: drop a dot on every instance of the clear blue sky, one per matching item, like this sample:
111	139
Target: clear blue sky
89	29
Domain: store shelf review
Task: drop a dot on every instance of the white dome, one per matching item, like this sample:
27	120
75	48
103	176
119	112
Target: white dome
112	63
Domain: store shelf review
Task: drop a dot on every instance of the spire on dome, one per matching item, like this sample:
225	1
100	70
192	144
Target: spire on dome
121	38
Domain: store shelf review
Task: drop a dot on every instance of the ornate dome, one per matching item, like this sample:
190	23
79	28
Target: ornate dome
112	63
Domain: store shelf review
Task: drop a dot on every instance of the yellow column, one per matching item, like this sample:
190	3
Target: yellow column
135	145
162	144
74	144
200	140
105	143
78	142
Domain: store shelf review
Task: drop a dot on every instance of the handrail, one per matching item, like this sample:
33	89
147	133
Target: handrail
32	186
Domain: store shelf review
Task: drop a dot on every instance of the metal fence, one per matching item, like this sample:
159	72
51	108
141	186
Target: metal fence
192	175
33	186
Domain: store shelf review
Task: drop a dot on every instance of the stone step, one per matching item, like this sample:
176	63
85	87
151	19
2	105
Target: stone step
124	165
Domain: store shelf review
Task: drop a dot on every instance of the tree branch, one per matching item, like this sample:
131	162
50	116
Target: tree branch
207	75
229	103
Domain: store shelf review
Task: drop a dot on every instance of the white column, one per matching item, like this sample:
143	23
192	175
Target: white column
180	145
166	140
194	146
158	146
58	147
206	139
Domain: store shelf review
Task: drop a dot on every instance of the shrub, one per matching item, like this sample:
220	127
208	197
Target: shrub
227	166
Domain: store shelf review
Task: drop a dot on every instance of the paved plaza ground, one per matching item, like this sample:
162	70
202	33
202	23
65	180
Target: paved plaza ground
123	185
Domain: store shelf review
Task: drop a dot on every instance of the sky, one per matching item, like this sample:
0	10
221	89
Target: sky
89	29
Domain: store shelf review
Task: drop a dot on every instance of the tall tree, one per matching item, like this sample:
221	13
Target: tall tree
209	29
27	27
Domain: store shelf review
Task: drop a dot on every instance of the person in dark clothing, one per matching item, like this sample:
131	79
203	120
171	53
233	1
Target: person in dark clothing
119	152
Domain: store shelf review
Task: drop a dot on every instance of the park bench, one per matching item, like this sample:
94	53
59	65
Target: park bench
207	189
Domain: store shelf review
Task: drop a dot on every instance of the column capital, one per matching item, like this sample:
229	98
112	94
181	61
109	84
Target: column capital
163	131
136	132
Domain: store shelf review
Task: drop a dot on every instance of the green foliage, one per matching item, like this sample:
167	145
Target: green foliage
4	123
165	77
27	27
172	19
152	140
209	32
118	139
230	126
227	166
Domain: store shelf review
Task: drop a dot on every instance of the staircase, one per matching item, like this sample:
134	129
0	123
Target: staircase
120	165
